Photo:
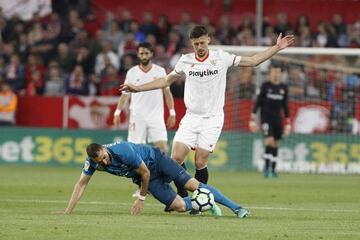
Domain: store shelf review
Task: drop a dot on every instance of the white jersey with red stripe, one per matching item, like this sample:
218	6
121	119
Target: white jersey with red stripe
205	81
149	104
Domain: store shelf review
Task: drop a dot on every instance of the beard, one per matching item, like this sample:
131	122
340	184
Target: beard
145	62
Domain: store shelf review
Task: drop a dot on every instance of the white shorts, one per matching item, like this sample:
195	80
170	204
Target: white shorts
197	131
146	130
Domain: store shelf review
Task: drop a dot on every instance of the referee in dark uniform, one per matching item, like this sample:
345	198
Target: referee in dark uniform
273	103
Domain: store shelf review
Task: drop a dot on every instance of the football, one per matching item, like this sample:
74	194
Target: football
202	200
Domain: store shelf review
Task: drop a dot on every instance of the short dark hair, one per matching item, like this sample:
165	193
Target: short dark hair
277	64
198	31
145	45
93	149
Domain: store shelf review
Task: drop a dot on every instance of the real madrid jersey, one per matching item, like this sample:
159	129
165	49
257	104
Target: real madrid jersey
125	157
149	104
205	81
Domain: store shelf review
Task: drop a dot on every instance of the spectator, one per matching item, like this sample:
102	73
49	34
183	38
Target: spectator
109	84
161	57
76	83
225	32
148	26
22	48
184	25
54	82
301	22
108	52
64	58
54	26
35	34
93	86
282	25
81	40
127	62
164	27
128	46
84	59
45	47
125	22
174	43
8	104
114	35
338	24
139	36
15	73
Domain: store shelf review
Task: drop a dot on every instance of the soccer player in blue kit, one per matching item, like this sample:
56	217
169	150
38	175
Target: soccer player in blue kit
152	170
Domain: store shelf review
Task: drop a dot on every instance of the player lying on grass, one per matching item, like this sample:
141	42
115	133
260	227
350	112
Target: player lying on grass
152	171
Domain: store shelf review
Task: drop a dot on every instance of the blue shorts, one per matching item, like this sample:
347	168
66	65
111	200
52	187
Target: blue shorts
162	173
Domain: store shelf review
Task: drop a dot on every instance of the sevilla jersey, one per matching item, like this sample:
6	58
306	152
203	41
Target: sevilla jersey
149	104
205	81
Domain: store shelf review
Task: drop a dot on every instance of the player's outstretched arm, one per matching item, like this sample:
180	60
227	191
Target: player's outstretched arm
258	58
156	84
77	192
144	173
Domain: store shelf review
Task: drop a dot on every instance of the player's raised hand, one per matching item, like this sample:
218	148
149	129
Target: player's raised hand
129	88
285	41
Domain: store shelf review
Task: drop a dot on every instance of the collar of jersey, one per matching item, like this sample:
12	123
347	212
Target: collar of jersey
144	69
202	60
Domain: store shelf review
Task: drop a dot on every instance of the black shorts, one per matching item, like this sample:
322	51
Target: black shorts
272	130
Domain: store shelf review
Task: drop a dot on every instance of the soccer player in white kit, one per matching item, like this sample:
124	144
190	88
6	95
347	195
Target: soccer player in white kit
205	80
146	121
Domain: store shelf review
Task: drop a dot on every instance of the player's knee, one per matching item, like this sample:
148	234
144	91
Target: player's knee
270	142
177	159
201	162
162	146
192	185
178	204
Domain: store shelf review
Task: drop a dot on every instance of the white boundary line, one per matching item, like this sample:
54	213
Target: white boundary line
158	204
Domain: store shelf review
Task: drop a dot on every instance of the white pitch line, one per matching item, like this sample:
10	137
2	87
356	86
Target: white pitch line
158	204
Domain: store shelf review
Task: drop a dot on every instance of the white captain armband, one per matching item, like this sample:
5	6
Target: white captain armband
117	112
172	112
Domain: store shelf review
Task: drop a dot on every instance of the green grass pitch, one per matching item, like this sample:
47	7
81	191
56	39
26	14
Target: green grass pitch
294	206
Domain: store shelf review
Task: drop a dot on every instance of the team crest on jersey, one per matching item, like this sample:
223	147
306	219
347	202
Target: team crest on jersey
213	62
282	91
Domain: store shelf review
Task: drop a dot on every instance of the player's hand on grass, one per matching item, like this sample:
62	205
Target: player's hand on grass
253	126
129	88
171	121
61	212
137	207
285	41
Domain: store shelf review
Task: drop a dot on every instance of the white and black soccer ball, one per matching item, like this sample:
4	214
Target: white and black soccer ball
202	200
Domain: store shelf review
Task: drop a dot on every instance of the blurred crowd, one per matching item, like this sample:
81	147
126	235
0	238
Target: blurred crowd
73	52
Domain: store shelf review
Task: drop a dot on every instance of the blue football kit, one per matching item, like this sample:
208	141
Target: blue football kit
126	157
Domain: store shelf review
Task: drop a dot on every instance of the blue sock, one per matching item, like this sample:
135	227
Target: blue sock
188	203
221	198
